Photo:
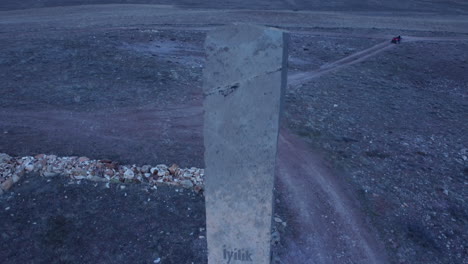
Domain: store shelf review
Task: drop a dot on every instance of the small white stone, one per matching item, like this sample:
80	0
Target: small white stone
15	178
50	174
186	184
129	174
145	168
158	260
162	167
29	167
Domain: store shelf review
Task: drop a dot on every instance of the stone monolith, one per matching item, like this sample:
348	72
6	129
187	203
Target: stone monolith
244	80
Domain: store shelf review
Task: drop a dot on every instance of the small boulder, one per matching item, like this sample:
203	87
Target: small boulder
50	174
129	174
40	156
83	159
145	168
15	178
4	157
29	167
6	185
186	184
173	169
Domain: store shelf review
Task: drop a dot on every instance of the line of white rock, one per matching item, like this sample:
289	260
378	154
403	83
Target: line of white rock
83	168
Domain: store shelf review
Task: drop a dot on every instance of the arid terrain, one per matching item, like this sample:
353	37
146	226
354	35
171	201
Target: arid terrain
373	152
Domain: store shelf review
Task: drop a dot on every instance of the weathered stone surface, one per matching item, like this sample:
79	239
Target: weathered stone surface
244	80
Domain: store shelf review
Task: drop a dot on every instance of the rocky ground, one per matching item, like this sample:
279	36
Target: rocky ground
82	168
391	127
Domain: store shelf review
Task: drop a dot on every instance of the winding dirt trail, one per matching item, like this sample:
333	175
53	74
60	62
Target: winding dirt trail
329	226
296	79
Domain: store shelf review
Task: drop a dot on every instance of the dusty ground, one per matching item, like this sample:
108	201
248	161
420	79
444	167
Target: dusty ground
54	220
392	124
388	121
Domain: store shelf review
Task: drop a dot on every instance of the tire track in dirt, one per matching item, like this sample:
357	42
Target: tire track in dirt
296	79
327	224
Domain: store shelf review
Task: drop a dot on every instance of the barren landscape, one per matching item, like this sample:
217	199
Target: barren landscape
373	154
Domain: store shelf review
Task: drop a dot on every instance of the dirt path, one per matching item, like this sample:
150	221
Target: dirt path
296	79
329	226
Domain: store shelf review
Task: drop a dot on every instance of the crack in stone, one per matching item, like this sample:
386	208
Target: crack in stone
230	88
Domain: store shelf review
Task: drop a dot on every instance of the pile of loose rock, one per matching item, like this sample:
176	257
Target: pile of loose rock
82	168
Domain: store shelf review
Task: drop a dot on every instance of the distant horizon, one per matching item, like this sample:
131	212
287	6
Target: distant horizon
439	7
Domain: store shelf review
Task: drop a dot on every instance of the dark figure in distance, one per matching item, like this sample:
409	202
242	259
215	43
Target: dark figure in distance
396	40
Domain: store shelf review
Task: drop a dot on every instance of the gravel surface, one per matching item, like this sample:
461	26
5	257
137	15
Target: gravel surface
57	220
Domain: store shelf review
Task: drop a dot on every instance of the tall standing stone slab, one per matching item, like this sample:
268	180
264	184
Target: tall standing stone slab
244	81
